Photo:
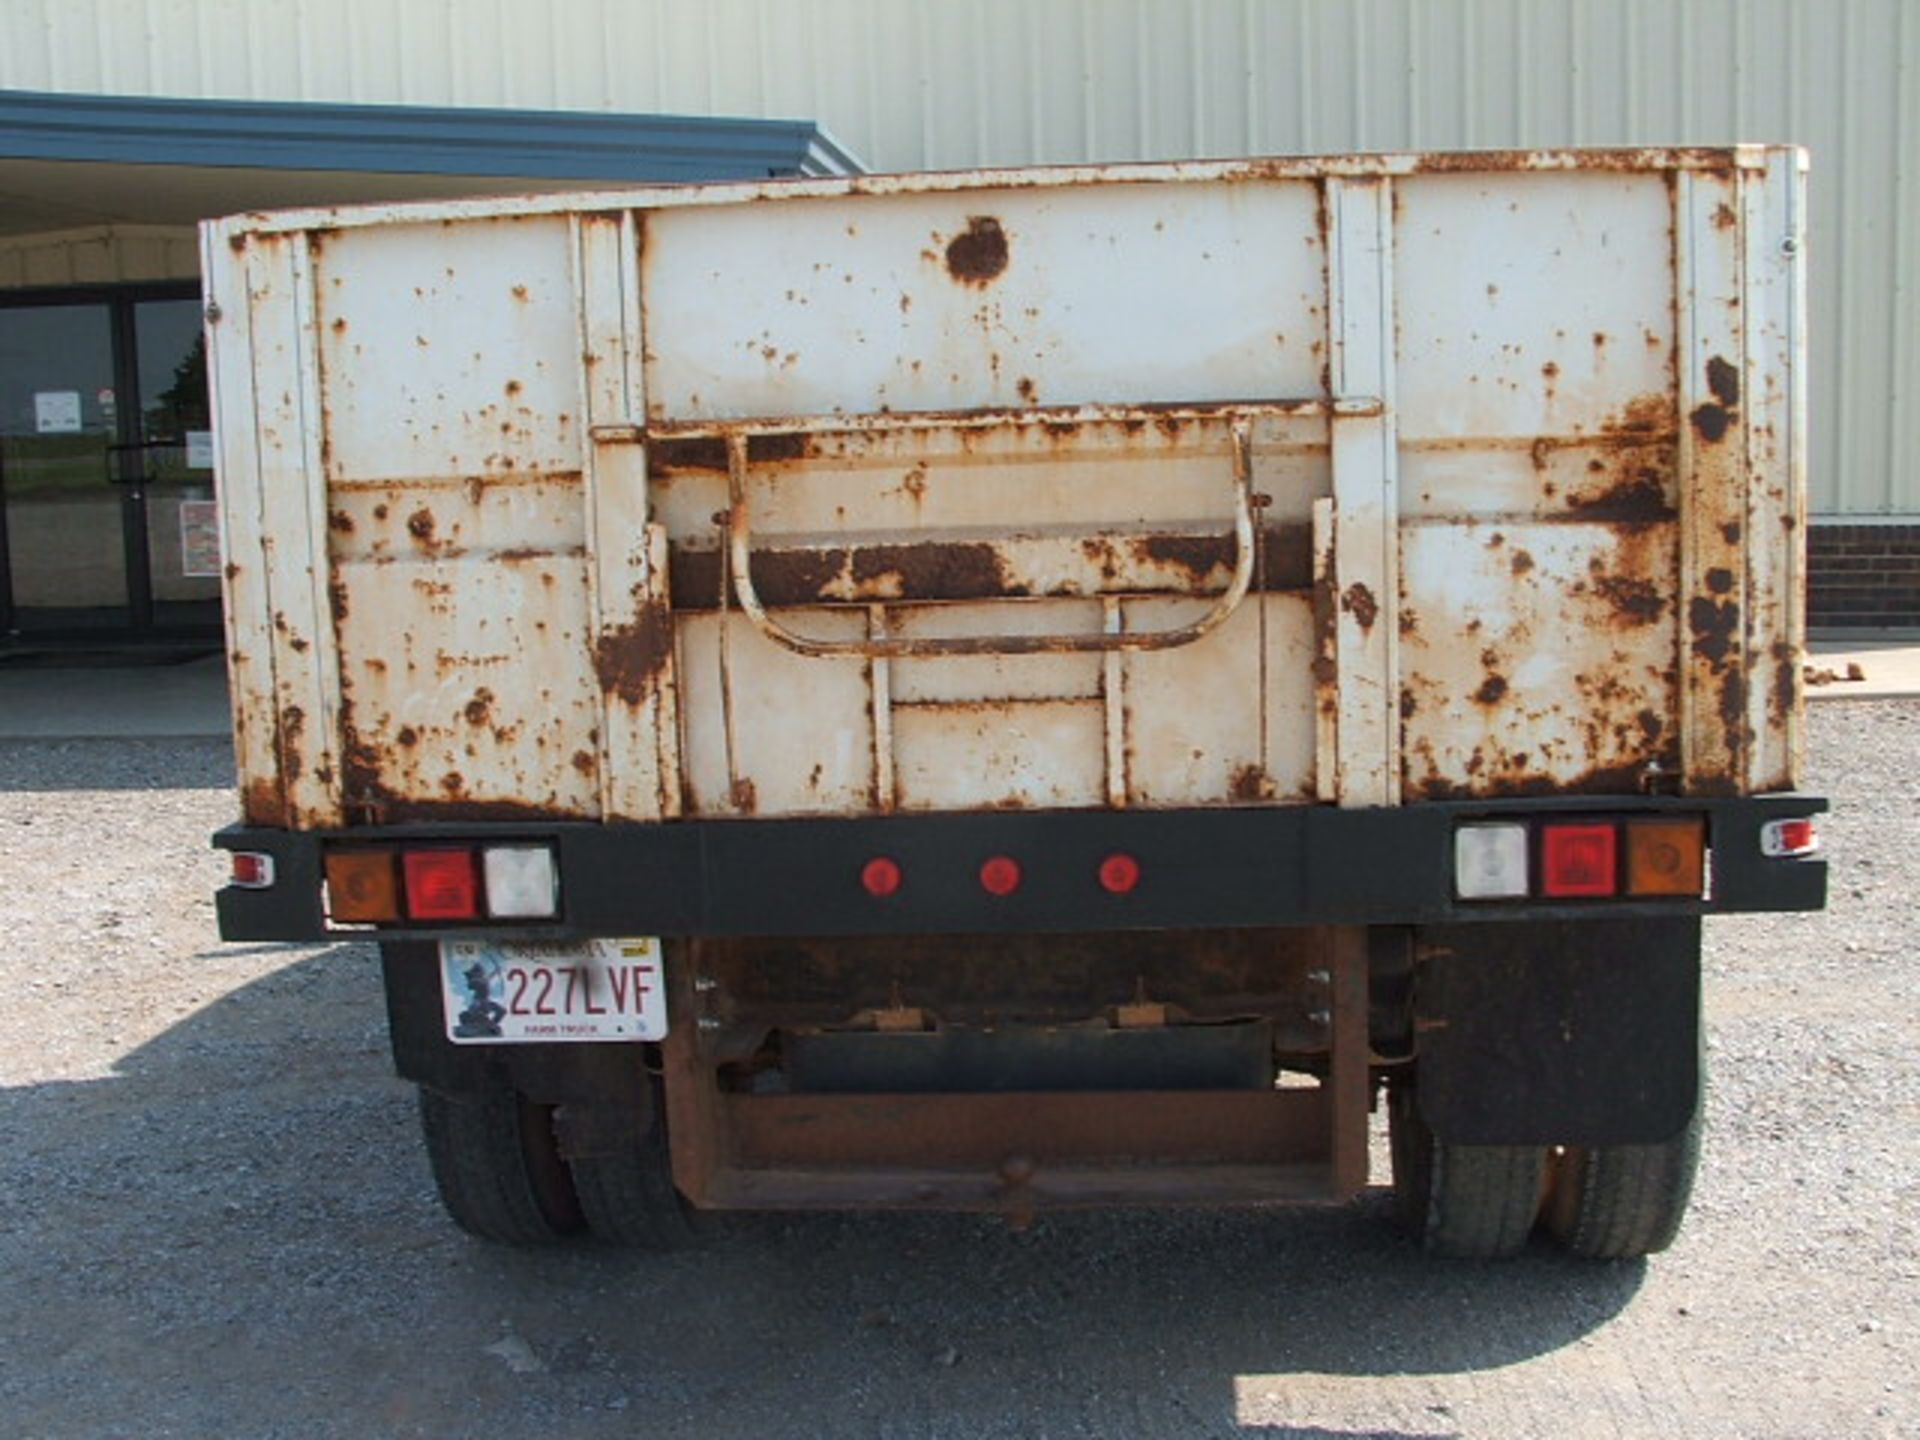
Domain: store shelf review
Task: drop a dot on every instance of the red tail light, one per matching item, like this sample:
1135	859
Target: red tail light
442	885
1783	839
1579	860
252	870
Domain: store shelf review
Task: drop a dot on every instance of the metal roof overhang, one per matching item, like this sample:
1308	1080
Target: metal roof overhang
75	162
403	139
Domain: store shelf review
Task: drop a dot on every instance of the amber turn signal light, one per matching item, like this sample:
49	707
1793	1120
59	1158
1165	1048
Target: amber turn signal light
1666	857
362	885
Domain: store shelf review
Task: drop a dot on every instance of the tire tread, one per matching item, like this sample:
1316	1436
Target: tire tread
478	1150
624	1205
1463	1202
1628	1200
1484	1201
628	1198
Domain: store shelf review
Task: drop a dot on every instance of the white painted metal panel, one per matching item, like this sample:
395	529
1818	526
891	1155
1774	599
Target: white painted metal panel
249	608
1000	755
450	350
961	678
1480	257
305	698
632	627
1366	486
465	688
1193	735
1052	296
1537	650
770	732
1776	503
1715	476
449	517
877	485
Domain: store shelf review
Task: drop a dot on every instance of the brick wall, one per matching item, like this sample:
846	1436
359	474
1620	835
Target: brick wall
1863	575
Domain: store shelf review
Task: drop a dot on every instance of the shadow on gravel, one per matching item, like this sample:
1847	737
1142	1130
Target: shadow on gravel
239	1224
172	763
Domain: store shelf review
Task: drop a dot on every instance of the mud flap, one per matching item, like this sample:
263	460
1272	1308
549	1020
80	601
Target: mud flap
1581	1033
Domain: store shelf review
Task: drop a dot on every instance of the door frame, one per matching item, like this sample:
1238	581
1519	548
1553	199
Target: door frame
120	299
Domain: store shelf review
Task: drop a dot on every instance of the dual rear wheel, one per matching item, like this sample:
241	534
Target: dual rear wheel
1483	1202
497	1162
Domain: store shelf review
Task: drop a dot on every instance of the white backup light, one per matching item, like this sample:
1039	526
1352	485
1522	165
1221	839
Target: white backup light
1490	862
521	884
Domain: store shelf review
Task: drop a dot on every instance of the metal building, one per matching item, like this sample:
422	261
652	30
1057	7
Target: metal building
908	84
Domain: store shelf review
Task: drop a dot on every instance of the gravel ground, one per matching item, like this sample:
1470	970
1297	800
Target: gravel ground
215	1217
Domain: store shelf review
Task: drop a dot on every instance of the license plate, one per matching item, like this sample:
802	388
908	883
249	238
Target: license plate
501	994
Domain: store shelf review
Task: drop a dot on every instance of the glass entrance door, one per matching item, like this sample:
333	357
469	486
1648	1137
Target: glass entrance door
175	469
107	519
65	551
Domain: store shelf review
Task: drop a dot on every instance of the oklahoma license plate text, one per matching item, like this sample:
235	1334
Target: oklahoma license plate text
522	994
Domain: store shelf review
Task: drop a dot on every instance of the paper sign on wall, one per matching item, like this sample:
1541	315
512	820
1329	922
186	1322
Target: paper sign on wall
199	449
56	412
200	537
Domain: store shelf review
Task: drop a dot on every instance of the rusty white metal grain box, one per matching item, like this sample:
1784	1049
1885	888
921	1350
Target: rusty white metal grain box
1360	481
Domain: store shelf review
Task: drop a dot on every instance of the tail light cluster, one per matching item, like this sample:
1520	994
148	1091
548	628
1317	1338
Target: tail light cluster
1581	859
387	883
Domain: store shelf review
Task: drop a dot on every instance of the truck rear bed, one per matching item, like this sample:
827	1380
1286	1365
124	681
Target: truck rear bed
1357	482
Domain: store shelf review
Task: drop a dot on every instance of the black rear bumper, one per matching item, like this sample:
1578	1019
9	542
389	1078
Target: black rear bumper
1275	866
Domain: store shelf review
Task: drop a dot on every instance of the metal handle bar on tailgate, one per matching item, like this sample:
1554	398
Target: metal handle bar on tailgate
895	647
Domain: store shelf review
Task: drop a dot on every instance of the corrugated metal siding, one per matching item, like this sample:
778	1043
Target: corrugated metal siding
914	85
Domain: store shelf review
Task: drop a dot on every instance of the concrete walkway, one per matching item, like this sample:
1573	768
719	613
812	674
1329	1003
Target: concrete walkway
1863	665
100	702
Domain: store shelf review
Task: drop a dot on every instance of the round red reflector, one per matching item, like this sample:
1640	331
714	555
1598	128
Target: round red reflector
881	876
1119	874
1000	875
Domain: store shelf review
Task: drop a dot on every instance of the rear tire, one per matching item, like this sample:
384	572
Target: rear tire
629	1198
1465	1202
497	1166
1621	1202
